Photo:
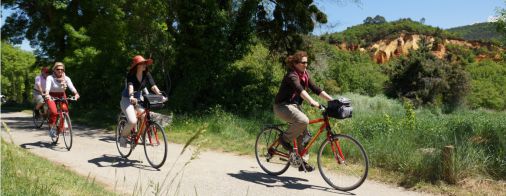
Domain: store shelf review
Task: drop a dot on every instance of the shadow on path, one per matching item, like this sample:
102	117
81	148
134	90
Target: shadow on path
118	161
281	181
41	144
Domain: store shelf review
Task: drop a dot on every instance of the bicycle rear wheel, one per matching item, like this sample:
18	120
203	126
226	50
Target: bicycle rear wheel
66	131
343	162
123	151
155	145
270	155
38	119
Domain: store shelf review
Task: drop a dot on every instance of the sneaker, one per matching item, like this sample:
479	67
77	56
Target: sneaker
286	145
308	167
52	132
123	141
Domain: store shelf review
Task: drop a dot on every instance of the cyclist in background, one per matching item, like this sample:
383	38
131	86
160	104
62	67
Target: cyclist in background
292	92
56	85
38	90
137	79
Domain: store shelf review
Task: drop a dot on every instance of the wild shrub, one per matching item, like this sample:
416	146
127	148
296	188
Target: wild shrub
424	79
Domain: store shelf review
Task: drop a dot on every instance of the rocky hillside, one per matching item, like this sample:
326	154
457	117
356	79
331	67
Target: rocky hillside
383	50
391	39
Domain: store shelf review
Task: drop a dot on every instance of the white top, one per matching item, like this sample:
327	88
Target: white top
39	80
53	85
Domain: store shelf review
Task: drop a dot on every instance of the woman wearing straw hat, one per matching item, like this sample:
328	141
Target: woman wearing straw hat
137	79
56	85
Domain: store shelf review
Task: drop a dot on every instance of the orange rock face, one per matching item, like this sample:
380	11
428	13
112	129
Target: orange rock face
383	50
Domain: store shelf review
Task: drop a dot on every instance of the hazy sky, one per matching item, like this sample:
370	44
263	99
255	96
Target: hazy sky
441	13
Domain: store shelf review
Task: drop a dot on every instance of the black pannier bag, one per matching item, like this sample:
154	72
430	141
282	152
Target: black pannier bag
340	108
153	101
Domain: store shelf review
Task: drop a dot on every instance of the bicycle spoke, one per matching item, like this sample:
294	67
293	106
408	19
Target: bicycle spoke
66	131
340	173
155	145
123	151
271	159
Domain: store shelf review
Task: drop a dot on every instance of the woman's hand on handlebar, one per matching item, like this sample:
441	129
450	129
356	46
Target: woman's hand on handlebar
315	104
133	100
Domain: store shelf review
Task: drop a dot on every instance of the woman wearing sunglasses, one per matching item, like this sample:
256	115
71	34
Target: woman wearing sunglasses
292	92
56	84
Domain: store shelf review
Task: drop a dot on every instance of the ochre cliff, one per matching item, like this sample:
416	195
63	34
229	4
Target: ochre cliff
386	49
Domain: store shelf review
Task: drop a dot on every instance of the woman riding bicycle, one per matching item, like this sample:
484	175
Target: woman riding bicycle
39	88
292	92
56	85
137	79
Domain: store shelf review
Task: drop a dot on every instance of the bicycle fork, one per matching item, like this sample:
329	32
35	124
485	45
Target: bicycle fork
336	150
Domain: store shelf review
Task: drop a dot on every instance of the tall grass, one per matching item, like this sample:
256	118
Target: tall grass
26	174
399	138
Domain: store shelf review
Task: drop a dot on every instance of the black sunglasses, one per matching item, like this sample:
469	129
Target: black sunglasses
303	62
60	69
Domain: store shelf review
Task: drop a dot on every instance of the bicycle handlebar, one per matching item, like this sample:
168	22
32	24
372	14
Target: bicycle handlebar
64	99
322	107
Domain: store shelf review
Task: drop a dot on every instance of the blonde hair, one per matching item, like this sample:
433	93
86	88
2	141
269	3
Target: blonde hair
57	64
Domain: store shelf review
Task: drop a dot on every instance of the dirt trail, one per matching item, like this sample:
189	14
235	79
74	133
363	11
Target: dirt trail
94	154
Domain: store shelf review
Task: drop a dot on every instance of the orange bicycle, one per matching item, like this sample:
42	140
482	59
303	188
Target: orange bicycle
342	161
148	132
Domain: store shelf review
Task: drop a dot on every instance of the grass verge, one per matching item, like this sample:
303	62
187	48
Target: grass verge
24	173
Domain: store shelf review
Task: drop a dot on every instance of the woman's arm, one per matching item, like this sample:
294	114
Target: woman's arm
49	79
133	100
71	87
326	96
156	90
308	98
38	85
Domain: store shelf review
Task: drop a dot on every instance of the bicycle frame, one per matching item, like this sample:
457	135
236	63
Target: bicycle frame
143	125
330	134
60	113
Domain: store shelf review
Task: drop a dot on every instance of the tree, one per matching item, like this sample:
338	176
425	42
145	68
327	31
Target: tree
283	26
197	41
18	75
376	20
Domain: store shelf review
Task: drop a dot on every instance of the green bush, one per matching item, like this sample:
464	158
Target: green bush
424	79
351	71
488	79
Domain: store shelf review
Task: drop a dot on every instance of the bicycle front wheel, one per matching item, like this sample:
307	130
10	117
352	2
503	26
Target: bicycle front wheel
270	154
57	135
155	145
38	119
343	163
66	131
123	151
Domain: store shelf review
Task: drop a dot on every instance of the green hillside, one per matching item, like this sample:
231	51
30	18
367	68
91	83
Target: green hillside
479	31
367	33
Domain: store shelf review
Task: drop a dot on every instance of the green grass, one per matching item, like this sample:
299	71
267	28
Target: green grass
26	174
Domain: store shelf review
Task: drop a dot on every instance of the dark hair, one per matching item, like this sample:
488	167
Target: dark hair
292	60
